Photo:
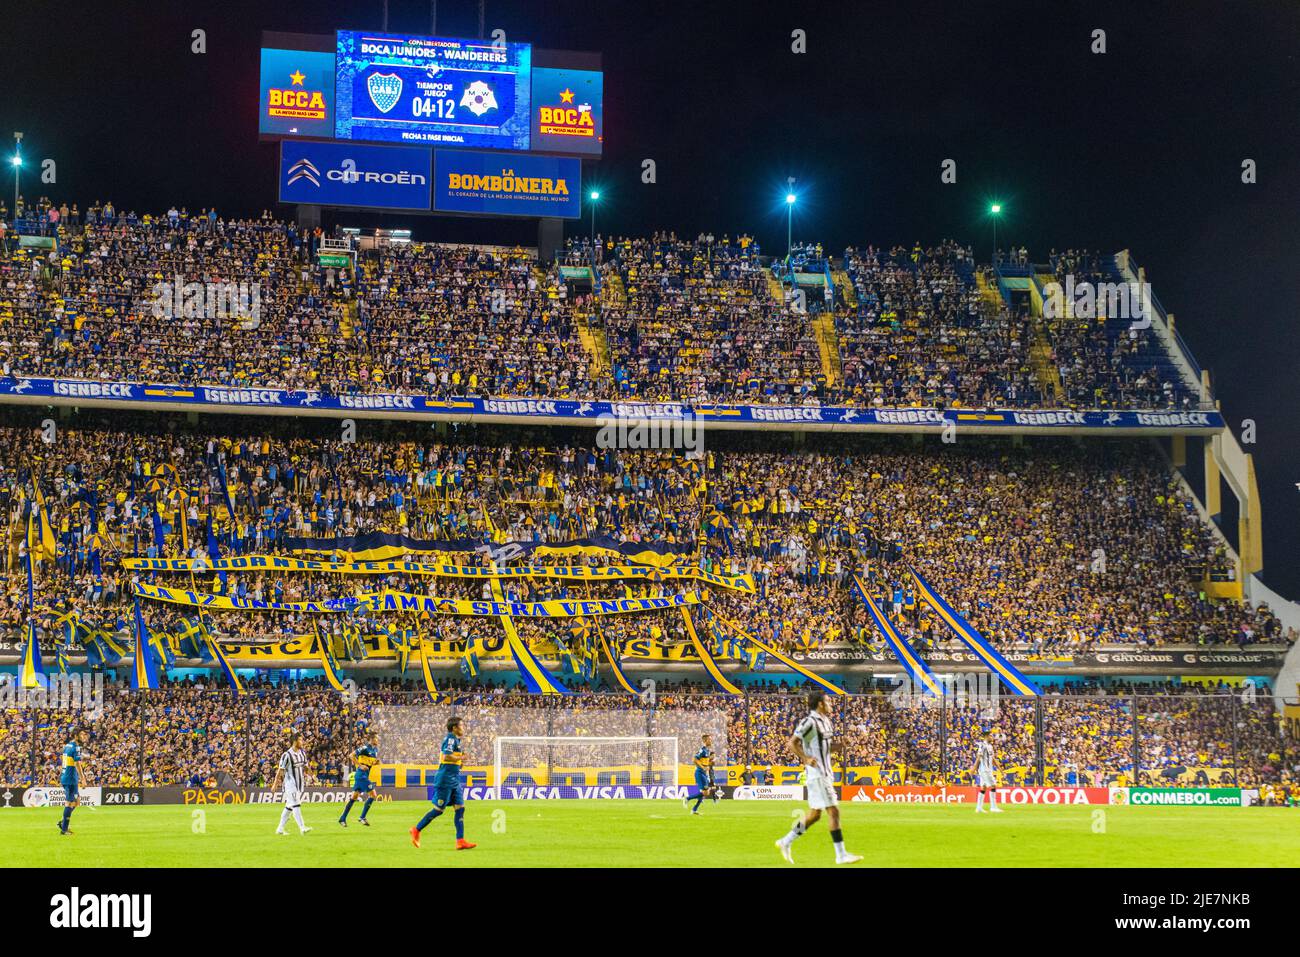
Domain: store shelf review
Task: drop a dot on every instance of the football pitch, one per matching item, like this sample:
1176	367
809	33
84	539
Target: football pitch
639	833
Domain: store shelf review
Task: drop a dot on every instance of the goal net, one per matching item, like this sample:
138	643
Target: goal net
522	764
508	740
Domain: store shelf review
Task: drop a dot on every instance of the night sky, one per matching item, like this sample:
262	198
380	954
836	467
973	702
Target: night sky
1139	148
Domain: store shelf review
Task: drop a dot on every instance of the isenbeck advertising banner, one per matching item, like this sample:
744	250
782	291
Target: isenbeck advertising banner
398	88
297	97
350	174
37	390
567	112
498	184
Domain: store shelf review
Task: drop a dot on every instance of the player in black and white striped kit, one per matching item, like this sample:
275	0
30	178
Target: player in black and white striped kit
811	741
985	779
293	771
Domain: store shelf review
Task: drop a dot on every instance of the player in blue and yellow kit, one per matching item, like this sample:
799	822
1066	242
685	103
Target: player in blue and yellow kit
70	778
703	775
447	788
363	789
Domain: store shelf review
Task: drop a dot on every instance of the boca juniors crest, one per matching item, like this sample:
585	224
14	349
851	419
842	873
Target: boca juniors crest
385	90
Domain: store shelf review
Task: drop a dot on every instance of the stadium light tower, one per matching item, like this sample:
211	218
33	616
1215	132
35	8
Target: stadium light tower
995	210
790	199
18	166
595	198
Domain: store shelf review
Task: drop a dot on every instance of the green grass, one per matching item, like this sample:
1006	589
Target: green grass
651	834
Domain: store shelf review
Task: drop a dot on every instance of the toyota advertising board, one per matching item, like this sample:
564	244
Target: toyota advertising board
963	794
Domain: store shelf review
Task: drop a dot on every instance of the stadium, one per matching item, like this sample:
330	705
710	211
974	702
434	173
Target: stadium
432	487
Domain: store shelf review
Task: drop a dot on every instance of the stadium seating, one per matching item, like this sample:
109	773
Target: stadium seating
1010	536
705	320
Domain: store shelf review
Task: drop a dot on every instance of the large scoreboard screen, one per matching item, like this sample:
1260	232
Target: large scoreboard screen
432	90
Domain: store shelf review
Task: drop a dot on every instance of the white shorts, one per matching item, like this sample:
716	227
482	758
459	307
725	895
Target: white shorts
984	779
821	791
292	797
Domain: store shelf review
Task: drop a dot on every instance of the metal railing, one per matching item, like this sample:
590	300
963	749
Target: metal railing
197	737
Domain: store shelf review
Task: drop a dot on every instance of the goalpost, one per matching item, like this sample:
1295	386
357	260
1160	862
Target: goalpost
582	761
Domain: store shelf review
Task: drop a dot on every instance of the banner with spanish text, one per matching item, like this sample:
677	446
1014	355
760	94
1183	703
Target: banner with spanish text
389	600
575	573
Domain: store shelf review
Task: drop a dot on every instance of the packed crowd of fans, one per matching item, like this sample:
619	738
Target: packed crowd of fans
699	322
920	337
1052	547
190	733
703	320
1056	548
1103	348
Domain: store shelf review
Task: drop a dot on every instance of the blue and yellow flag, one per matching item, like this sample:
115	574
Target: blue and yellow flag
144	671
469	660
102	648
214	553
47	548
31	673
354	647
159	539
190	642
400	641
427	671
219	656
912	663
70	625
765	649
389	546
328	664
977	643
182	521
706	659
225	489
536	678
31	578
614	664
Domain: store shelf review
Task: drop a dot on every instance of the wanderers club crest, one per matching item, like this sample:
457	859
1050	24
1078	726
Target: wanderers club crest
478	98
385	90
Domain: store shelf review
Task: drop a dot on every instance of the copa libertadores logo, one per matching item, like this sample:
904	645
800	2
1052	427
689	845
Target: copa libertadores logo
76	910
